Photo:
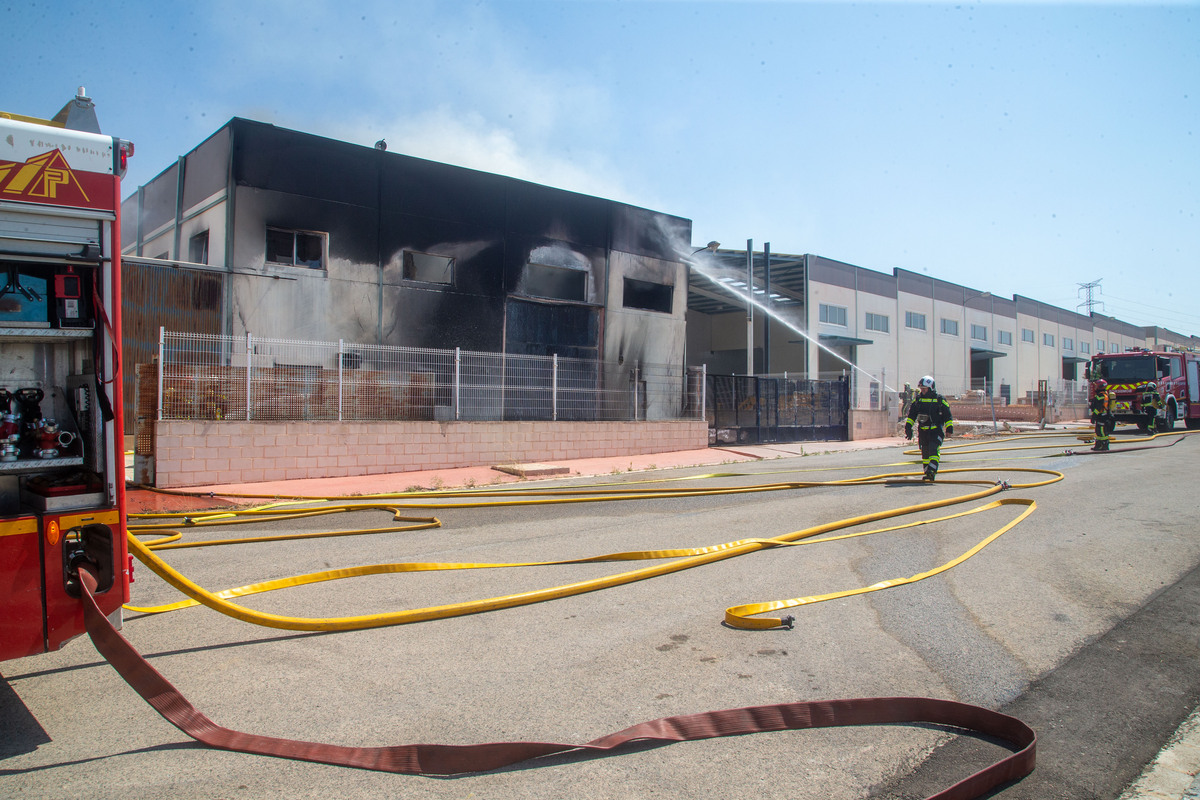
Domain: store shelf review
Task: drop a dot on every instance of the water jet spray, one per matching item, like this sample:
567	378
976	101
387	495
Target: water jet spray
724	278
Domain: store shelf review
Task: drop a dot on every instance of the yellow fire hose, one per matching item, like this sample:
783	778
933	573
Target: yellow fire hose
738	616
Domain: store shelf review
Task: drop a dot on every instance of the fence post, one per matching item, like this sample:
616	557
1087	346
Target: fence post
637	400
249	350
885	399
162	338
554	388
341	365
704	391
993	400
457	382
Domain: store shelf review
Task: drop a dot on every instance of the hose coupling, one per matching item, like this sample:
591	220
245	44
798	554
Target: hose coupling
75	560
788	622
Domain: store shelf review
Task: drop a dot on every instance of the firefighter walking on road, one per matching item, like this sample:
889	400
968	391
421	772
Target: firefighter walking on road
1102	416
931	415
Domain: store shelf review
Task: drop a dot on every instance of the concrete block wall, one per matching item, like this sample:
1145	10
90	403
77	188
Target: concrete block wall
200	453
864	424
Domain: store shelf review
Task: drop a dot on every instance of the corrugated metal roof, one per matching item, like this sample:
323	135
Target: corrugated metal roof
717	282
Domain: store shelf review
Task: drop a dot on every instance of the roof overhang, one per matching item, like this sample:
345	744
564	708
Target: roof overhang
982	354
1073	360
842	341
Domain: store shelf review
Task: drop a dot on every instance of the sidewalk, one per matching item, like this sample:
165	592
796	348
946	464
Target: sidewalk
198	498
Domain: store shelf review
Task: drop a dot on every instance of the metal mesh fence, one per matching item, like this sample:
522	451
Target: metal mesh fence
251	378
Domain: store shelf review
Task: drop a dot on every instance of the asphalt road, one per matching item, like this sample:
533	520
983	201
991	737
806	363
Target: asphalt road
1082	621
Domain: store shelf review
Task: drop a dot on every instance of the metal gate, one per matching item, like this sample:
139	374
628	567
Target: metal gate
744	409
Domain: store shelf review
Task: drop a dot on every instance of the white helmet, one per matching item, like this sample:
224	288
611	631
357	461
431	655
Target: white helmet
926	382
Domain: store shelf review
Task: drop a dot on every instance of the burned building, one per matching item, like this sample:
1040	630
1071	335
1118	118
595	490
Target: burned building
280	233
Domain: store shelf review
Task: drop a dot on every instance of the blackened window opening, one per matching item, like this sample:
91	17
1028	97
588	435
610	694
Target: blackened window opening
296	248
428	267
648	296
557	283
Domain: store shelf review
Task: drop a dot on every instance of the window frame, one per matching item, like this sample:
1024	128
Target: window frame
545	281
321	237
1029	335
913	316
412	270
948	327
979	333
198	240
1004	338
652	292
823	310
878	319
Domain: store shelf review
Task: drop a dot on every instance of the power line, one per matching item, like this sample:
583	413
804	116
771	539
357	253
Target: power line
1157	308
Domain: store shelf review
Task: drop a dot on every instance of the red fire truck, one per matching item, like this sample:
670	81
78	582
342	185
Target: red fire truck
62	462
1176	375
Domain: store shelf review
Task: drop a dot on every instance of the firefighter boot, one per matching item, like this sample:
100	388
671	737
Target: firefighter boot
929	473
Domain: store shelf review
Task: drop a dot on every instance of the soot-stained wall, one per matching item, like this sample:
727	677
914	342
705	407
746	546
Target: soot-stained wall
536	270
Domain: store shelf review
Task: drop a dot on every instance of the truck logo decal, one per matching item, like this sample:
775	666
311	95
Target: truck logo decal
42	178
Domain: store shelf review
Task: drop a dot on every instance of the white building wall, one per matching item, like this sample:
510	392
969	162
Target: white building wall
210	215
915	346
880	358
1004	368
835	297
951	353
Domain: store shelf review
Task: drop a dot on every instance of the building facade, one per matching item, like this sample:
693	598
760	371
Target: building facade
280	233
814	317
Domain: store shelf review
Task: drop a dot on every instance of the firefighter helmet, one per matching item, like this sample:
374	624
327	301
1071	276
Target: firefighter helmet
926	382
1101	385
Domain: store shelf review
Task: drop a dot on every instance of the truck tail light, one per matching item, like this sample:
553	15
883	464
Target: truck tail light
124	153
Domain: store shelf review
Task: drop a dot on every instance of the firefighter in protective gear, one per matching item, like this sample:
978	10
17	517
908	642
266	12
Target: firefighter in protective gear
931	415
1101	416
906	398
1151	404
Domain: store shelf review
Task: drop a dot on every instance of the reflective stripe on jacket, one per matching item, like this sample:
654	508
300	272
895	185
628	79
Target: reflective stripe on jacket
932	406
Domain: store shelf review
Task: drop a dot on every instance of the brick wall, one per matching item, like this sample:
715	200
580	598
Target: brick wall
1017	413
198	453
974	412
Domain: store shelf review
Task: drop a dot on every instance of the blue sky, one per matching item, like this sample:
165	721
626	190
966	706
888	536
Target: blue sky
1015	147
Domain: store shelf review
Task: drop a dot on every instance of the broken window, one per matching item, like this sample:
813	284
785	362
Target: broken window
428	267
296	248
198	248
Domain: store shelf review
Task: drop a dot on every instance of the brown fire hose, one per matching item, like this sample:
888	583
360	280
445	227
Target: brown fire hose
433	759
